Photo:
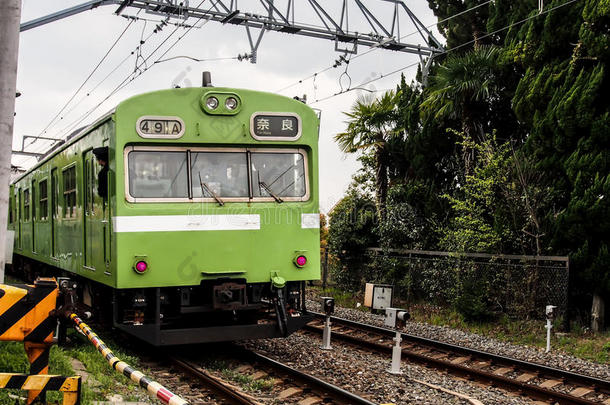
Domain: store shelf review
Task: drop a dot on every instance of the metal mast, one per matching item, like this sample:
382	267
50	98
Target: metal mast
348	23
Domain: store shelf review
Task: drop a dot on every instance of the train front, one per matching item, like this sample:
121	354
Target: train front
216	222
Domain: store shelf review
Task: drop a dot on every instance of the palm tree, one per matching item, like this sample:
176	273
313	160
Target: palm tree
463	88
371	126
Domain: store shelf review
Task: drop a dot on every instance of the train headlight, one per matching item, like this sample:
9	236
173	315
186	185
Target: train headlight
300	260
211	103
141	267
231	103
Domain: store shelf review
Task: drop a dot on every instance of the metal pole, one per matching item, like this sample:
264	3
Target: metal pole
396	355
10	14
549	326
326	335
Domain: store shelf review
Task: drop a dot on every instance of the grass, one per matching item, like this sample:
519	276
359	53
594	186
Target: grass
342	298
245	382
579	342
103	380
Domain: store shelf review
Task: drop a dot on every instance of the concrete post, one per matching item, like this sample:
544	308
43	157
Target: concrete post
10	15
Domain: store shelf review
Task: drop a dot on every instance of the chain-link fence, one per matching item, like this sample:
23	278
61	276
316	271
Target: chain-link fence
477	284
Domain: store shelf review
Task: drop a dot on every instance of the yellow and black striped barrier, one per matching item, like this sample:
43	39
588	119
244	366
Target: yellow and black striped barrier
155	389
26	316
70	386
25	310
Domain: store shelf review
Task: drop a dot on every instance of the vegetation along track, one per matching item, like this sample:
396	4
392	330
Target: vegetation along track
290	386
533	380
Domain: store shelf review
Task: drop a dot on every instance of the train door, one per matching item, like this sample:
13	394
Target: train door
19	218
106	216
54	206
33	202
95	241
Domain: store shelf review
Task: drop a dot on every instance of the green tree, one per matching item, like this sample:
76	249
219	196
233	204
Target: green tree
462	88
372	126
463	26
352	223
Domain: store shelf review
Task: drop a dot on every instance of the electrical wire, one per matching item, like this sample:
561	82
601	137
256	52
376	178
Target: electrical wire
377	48
157	29
448	50
86	80
195	59
139	72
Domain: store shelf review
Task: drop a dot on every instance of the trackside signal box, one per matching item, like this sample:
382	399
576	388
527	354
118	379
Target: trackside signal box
378	296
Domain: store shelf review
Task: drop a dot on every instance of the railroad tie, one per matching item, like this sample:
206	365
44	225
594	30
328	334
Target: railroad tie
289	392
550	384
310	401
525	377
581	392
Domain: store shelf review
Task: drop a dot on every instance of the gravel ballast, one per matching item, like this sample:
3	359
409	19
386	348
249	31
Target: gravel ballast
365	373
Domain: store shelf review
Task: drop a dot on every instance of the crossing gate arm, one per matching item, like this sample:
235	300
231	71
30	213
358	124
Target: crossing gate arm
154	389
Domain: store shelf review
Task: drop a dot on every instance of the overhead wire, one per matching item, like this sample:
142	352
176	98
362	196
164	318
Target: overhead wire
377	47
448	50
86	80
157	29
137	74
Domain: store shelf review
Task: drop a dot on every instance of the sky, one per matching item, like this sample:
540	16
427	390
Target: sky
55	59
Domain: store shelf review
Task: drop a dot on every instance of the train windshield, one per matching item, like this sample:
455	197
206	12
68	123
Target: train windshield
232	174
222	173
158	174
279	174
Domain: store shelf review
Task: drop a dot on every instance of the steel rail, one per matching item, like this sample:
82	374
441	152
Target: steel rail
316	383
534	391
216	384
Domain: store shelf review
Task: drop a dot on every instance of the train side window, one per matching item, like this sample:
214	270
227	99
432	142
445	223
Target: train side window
11	206
26	205
44	200
69	183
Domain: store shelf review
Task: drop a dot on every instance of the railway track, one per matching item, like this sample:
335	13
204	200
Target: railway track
536	381
290	386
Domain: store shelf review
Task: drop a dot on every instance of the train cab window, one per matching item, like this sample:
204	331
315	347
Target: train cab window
44	200
69	182
280	174
158	174
224	173
26	205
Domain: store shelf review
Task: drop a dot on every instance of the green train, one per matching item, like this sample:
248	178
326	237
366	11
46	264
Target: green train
187	215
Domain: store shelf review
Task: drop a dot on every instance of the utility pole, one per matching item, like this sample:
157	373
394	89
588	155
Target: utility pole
10	15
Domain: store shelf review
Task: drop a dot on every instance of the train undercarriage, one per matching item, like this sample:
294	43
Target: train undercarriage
216	310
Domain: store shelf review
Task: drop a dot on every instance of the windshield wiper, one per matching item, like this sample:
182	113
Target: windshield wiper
270	191
210	191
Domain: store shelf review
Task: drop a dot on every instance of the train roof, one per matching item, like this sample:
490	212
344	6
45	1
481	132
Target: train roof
70	139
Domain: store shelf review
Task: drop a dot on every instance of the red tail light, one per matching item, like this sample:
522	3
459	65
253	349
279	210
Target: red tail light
141	267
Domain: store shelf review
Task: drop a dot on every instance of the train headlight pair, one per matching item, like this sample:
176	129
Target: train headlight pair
230	103
220	103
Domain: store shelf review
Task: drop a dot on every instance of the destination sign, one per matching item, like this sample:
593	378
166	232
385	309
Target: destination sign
160	127
275	126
